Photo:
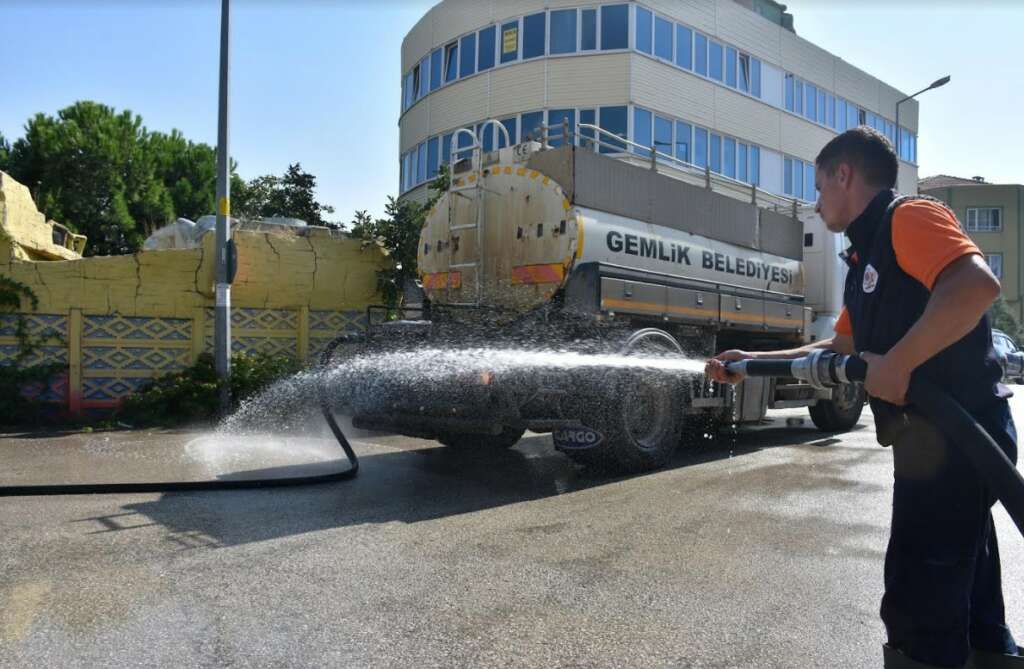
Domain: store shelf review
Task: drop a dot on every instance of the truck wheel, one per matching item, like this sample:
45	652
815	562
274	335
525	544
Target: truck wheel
638	413
508	438
841	412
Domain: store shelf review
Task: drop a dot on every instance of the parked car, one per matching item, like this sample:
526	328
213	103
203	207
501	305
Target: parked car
1004	345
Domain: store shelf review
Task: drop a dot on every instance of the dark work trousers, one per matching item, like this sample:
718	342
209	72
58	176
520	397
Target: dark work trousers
943	591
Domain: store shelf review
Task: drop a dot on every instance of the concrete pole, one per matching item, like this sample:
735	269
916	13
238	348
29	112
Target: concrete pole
222	305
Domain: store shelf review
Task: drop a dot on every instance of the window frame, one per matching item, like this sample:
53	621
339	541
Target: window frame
576	36
976	225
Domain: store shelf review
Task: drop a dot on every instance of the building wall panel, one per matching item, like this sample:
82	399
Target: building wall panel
856	85
807	61
588	80
698	14
746	118
459	104
418	42
671	91
415	125
518	88
455	17
906	178
802	139
742	28
504	9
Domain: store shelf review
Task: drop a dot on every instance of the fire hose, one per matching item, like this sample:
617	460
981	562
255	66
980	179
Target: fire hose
826	369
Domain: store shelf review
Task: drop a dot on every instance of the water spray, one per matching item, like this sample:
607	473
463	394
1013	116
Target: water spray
827	369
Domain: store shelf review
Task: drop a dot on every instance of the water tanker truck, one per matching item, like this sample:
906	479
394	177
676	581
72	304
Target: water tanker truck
598	244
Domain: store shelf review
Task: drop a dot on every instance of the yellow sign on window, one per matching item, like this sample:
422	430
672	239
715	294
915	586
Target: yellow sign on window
510	40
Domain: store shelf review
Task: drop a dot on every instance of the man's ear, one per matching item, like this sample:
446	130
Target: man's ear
844	175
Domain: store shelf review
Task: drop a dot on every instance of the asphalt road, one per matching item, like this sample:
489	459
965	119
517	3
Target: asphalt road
763	550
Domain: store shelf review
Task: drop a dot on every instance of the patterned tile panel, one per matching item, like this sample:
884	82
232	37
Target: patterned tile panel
37	324
132	327
55	389
137	358
246	318
110	388
330	323
270	345
43	354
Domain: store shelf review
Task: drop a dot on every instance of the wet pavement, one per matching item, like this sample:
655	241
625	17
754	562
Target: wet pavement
763	550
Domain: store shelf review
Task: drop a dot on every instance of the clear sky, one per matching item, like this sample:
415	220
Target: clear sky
318	81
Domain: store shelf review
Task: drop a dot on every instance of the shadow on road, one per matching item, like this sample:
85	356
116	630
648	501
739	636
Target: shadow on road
433	482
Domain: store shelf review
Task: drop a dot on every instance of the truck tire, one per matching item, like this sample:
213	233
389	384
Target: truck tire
639	414
841	412
508	438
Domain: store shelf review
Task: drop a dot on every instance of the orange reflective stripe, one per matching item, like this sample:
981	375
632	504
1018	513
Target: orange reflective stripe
553	273
442	280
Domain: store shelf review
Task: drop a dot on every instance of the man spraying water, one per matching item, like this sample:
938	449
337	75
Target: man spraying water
915	303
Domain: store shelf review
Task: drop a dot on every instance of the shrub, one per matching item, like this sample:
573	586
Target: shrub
193	394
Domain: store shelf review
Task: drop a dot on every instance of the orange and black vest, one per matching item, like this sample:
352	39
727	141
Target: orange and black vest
884	302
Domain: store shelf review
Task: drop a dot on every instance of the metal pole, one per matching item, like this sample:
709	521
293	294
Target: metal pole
222	305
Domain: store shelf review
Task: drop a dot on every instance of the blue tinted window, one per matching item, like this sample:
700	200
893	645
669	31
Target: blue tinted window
851	115
563	31
615	27
790	93
405	91
821	106
798	179
556	133
831	111
811	109
589	117
743	75
446	149
467	65
451	62
741	162
424	77
701	55
643	30
401	174
840	114
729	157
421	163
662	38
730	67
755	77
464	142
533	35
715	60
613	120
436	60
432	157
715	153
509	41
683	141
642	130
531	125
755	165
485	60
809	191
663	135
787	176
798	97
700	147
588	30
511	124
684	47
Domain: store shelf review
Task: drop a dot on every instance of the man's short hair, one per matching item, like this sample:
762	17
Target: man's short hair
867	151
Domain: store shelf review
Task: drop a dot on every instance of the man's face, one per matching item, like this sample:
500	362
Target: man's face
834	197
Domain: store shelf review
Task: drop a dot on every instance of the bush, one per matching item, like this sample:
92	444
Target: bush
193	394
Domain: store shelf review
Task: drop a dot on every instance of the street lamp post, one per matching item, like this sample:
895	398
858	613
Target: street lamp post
222	291
935	84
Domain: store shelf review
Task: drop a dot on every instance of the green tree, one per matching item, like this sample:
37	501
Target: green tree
293	195
5	152
399	233
103	174
1003	319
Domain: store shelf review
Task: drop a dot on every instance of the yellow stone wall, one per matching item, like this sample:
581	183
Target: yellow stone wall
123	320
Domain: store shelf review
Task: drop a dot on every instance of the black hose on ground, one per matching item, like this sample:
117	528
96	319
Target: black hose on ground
219	484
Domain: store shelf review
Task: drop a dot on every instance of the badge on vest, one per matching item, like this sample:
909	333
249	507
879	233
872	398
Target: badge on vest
870	279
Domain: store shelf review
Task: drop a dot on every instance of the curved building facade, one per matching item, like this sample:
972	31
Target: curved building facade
725	85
